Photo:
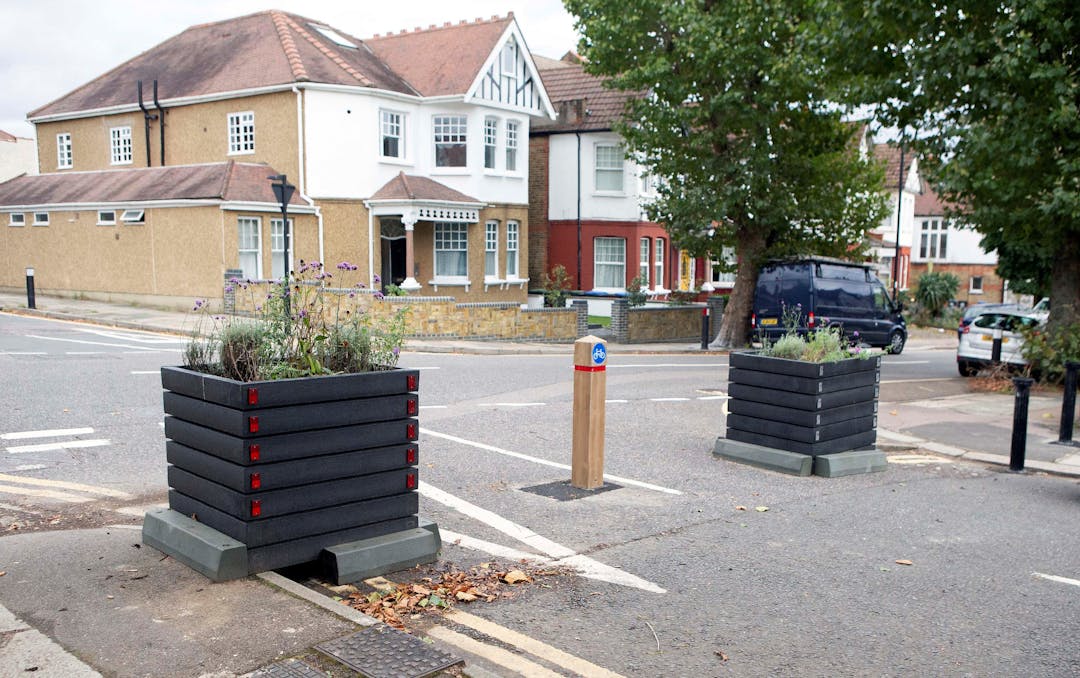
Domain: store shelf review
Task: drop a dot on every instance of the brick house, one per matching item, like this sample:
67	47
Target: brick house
414	168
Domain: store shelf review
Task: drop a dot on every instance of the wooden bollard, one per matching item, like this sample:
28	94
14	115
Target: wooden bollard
590	385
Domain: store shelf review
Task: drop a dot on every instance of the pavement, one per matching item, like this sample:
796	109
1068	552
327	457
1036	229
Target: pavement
253	622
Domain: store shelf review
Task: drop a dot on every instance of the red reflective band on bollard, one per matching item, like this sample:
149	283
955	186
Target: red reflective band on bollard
410	431
256	481
256	508
590	368
410	455
411	382
410	481
253	452
410	406
253	424
253	396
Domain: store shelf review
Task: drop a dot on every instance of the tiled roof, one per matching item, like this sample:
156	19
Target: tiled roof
565	83
929	204
441	60
5	136
411	187
228	181
890	154
259	50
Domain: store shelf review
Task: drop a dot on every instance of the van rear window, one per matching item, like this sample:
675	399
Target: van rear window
837	272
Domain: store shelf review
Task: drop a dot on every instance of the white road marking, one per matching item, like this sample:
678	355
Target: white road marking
23	353
421	368
49	447
46	433
496	655
575	665
668	400
489	547
909	362
719	397
511	404
45	494
132	335
916	459
146	371
84	352
29	467
93	343
65	485
560	554
616	401
433	407
1060	580
545	462
907	381
626	365
145	351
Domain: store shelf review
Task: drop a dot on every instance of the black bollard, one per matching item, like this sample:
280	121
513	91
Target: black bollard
1020	417
705	329
1068	404
31	302
995	351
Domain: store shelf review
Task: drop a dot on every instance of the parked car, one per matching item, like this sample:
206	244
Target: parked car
828	293
976	346
974	310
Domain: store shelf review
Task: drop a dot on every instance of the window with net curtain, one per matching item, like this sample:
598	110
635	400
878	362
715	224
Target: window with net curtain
511	249
491	249
451	138
609	263
451	250
609	167
249	247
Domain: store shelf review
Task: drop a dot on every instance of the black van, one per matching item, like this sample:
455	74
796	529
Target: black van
827	292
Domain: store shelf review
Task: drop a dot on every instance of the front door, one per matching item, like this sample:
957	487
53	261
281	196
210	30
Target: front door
393	261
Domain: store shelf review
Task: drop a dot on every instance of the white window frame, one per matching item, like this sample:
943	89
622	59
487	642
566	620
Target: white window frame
16	219
277	247
252	248
451	237
512	137
933	240
508	63
644	256
491	250
106	218
133	217
599	261
41	218
972	288
387	125
120	145
241	133
603	161
491	142
658	264
64	157
718	278
450	130
513	248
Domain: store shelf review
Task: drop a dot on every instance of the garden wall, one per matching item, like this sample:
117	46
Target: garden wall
672	323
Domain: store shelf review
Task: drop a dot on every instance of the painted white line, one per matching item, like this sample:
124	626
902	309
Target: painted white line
93	343
511	404
433	407
909	362
723	397
49	447
46	433
83	352
496	655
585	565
147	351
1060	580
420	368
65	485
668	400
917	459
490	548
29	467
45	494
575	665
616	401
23	353
626	365
908	381
146	371
545	462
134	335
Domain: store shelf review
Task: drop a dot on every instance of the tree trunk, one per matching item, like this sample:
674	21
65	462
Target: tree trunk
1065	285
735	326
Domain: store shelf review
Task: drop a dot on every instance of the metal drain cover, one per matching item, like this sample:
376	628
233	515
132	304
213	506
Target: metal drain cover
383	652
290	668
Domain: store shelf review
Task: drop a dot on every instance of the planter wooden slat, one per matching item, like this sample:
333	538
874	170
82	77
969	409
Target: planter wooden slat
297	525
294	499
854	442
289	419
290	473
800	401
805	434
805	385
291	445
789	415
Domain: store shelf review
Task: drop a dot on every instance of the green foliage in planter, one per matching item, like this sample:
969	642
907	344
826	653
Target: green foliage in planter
824	345
305	328
636	291
1048	349
933	290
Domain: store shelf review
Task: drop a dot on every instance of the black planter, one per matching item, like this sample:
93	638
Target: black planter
806	408
293	466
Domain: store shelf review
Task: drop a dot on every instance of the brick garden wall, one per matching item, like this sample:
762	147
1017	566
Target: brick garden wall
642	325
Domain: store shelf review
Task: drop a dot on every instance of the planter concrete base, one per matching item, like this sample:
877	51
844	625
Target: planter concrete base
219	557
769	458
850	463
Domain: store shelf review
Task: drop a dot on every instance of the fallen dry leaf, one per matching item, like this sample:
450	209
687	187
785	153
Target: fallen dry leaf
515	576
740	508
761	509
723	655
2	573
903	561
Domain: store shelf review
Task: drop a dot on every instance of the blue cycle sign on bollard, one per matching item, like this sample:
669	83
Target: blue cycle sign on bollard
599	354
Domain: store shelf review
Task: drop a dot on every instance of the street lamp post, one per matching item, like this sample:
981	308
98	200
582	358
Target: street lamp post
283	191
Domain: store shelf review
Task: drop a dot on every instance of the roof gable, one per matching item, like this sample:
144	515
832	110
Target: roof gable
509	76
410	187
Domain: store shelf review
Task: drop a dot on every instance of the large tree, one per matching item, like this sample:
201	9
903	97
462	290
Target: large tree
991	93
737	118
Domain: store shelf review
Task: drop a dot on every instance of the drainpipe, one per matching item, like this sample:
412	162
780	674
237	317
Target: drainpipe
147	117
578	279
161	126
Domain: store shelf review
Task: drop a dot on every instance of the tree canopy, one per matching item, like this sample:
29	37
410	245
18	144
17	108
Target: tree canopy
738	119
989	91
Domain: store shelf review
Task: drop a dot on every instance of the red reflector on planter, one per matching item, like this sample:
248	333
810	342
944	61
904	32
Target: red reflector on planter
253	396
410	431
253	424
411	382
256	508
410	455
410	406
410	481
256	481
253	452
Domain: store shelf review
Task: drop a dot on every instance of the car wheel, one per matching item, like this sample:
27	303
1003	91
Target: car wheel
966	369
896	342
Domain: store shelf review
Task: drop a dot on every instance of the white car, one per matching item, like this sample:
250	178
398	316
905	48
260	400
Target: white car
977	339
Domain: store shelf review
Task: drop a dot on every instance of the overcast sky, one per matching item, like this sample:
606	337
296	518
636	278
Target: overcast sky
50	47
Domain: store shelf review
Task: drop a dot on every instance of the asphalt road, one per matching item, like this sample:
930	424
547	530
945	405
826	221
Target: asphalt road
692	566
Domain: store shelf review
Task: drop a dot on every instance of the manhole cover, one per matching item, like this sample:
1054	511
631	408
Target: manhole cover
290	668
383	652
564	491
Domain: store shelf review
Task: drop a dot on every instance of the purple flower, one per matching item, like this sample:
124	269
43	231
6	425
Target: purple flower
198	304
377	278
361	285
855	334
396	350
379	296
346	266
234	281
229	288
352	295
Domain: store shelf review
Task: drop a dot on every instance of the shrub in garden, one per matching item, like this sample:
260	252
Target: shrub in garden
933	290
